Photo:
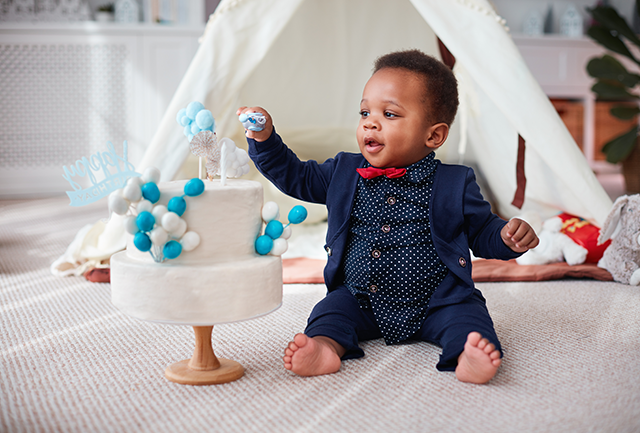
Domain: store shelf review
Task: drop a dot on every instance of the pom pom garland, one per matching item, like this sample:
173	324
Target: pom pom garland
158	229
274	240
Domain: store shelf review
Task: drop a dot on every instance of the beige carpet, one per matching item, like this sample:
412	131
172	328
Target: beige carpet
70	362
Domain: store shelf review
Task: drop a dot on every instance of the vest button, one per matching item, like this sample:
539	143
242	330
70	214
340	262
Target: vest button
462	262
376	254
328	250
373	288
386	228
391	200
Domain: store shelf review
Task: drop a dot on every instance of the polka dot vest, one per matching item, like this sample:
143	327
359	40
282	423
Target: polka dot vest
391	265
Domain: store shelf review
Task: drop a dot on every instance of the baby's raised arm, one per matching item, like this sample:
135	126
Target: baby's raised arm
268	125
518	235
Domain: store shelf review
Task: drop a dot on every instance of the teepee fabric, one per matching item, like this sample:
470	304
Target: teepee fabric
307	61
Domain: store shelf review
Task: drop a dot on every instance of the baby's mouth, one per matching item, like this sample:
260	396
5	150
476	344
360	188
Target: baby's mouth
372	145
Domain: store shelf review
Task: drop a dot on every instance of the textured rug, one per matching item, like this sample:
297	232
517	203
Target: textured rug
69	361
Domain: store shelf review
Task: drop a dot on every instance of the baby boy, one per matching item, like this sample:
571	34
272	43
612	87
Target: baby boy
400	226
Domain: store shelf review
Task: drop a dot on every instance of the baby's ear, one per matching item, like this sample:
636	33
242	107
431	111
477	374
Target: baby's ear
436	135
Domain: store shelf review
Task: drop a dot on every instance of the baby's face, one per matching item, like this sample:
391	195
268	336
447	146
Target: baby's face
394	126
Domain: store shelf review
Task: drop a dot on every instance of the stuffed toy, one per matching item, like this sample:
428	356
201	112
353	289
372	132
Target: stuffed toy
568	238
622	226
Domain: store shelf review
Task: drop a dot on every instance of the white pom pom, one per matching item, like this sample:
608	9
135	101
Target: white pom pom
158	212
179	230
231	146
132	192
270	211
158	236
151	174
245	170
242	156
117	203
137	180
189	241
144	206
234	164
286	233
231	172
279	247
170	221
130	225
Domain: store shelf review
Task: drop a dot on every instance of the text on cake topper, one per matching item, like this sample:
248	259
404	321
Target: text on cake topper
112	169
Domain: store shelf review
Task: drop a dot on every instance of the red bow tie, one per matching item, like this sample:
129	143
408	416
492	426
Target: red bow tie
371	172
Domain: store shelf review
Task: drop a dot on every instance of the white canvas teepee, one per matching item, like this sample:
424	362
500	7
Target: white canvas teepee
307	61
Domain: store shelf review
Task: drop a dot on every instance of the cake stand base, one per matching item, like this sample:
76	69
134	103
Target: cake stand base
204	368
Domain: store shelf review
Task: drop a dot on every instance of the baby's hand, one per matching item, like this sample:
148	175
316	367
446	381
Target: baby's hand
519	236
268	125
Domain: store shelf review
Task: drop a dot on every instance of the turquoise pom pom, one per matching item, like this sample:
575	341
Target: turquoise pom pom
172	249
297	214
151	192
193	108
274	229
195	129
142	242
145	221
182	113
185	121
194	187
263	245
177	205
187	130
204	119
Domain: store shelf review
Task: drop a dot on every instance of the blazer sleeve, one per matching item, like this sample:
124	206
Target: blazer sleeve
304	180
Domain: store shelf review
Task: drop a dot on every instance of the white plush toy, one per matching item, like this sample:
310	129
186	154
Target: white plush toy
622	257
554	247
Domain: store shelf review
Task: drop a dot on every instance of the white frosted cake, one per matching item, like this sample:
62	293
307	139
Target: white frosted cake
222	280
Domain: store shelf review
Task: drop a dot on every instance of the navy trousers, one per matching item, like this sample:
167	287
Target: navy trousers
339	317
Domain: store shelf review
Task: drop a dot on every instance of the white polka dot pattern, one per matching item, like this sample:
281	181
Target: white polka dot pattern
391	264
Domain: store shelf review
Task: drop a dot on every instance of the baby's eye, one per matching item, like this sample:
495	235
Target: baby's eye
389	115
364	113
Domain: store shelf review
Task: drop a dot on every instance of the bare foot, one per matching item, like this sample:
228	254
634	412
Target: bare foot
479	361
312	356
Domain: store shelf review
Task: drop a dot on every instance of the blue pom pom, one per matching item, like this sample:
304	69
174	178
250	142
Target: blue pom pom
151	192
194	187
180	115
142	242
193	108
177	205
195	129
274	229
172	249
297	214
204	119
145	221
185	121
190	137
187	130
263	245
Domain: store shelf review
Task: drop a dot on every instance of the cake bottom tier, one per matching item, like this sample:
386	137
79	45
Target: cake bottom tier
196	295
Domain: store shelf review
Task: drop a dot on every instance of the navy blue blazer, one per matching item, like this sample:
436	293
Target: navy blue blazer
460	217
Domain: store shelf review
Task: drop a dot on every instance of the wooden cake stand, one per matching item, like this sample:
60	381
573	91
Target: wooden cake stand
204	368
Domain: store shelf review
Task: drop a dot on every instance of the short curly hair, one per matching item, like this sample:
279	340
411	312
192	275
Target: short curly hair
441	86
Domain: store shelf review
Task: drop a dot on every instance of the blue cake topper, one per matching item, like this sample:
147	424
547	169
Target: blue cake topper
112	170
